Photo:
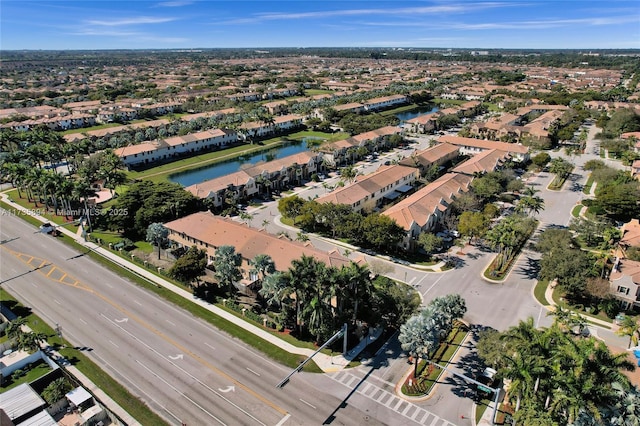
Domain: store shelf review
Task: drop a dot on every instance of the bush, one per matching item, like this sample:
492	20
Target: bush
610	307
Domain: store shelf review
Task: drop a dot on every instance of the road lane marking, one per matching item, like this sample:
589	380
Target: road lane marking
158	333
185	371
210	346
110	341
432	285
284	419
173	324
82	321
138	303
256	373
310	405
56	300
182	394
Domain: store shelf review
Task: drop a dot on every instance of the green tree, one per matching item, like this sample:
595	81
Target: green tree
274	289
472	225
157	234
56	390
430	242
560	167
382	232
488	186
190	266
541	160
226	263
290	207
262	265
418	340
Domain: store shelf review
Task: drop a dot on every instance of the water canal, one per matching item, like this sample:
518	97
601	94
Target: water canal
212	171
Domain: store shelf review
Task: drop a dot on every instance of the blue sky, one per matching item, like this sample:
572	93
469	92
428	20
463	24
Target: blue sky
134	24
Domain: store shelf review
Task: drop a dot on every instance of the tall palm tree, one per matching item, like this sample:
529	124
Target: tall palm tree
629	327
358	284
262	265
14	328
274	289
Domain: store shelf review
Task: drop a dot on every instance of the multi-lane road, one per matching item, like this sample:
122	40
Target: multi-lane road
182	367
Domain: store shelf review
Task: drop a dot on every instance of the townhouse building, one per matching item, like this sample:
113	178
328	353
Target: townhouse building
426	209
438	155
483	162
209	232
164	149
470	146
370	192
265	177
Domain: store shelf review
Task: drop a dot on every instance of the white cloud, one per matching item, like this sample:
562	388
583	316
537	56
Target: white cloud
175	3
131	21
406	11
541	24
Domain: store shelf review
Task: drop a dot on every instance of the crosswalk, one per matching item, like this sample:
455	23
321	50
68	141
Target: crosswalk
389	400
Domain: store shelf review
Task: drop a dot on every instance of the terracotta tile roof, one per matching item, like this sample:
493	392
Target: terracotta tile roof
431	155
249	242
484	162
136	149
204	189
484	144
418	207
631	233
367	185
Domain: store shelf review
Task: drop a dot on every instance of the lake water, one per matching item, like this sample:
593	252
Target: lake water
413	113
213	171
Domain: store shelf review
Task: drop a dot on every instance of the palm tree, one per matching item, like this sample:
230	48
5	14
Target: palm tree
303	277
358	283
417	339
629	327
55	391
14	328
274	289
81	193
262	265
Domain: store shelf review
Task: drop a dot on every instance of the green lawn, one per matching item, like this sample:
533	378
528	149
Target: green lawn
587	186
539	291
575	212
88	129
33	372
559	299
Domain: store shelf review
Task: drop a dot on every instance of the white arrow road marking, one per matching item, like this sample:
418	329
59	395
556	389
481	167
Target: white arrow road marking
228	389
179	356
122	320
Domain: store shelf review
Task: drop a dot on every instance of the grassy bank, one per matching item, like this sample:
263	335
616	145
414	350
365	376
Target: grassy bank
162	172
